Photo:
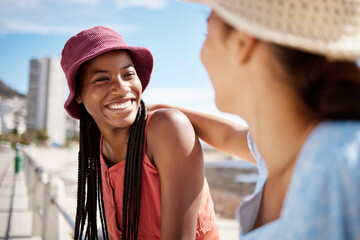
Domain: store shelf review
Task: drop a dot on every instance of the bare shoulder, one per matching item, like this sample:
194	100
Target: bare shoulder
167	120
169	130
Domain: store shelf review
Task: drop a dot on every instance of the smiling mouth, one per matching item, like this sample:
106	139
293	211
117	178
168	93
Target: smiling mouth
120	106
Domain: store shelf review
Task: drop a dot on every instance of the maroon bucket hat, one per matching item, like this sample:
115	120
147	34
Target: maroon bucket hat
91	43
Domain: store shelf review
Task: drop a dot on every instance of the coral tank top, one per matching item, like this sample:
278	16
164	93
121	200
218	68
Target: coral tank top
150	204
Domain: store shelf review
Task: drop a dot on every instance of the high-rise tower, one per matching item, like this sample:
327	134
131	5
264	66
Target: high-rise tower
46	96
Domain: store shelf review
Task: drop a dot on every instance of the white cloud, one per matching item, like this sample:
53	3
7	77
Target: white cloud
151	4
11	26
19	4
31	4
16	26
88	2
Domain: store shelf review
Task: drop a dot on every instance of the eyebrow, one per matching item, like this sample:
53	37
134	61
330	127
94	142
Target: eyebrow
105	71
209	16
207	19
98	71
128	66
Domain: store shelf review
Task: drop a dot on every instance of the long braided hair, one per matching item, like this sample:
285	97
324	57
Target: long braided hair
90	194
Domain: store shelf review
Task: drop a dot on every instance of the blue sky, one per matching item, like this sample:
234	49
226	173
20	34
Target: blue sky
174	31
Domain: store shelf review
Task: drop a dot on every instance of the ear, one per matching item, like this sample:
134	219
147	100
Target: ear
78	99
245	46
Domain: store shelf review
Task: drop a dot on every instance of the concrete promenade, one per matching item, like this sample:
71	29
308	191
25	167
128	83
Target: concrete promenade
15	217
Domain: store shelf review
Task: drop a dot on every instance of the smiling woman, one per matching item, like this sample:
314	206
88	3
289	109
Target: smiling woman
112	72
143	171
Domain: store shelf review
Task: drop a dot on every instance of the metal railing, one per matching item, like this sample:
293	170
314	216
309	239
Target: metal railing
64	213
46	198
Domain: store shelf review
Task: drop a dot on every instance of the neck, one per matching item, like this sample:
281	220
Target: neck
114	145
280	126
280	144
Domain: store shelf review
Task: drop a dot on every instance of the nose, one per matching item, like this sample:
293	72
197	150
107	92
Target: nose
119	86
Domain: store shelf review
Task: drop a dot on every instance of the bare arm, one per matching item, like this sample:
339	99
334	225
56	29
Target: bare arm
174	147
224	135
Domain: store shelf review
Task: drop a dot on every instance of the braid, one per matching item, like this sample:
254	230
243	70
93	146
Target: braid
132	176
90	192
101	204
89	175
82	166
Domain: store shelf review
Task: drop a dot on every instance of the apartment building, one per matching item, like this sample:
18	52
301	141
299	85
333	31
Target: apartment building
45	99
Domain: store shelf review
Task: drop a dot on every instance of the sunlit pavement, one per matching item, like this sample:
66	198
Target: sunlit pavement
61	163
15	216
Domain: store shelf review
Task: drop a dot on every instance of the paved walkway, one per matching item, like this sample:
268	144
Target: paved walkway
62	163
15	216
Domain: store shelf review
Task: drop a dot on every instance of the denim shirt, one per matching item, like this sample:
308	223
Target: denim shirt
323	198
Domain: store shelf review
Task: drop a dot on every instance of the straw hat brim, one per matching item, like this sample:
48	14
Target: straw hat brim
322	36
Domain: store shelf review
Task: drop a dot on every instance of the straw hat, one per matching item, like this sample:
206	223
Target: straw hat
91	43
326	27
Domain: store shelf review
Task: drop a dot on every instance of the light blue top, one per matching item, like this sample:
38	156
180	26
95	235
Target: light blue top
323	198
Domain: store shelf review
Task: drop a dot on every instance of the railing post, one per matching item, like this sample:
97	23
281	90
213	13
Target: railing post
31	182
54	222
41	179
26	169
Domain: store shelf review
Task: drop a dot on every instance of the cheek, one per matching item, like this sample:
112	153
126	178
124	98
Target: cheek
138	85
204	53
209	59
91	100
206	56
89	105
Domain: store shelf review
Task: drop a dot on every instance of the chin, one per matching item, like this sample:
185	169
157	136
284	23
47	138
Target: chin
220	105
225	106
129	120
125	123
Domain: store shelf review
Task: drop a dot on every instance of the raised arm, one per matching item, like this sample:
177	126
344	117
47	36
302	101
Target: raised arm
222	134
176	151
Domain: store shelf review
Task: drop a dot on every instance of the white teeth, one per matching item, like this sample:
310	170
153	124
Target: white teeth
121	106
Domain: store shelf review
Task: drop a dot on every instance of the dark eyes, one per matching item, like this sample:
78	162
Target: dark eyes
104	79
100	80
129	75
